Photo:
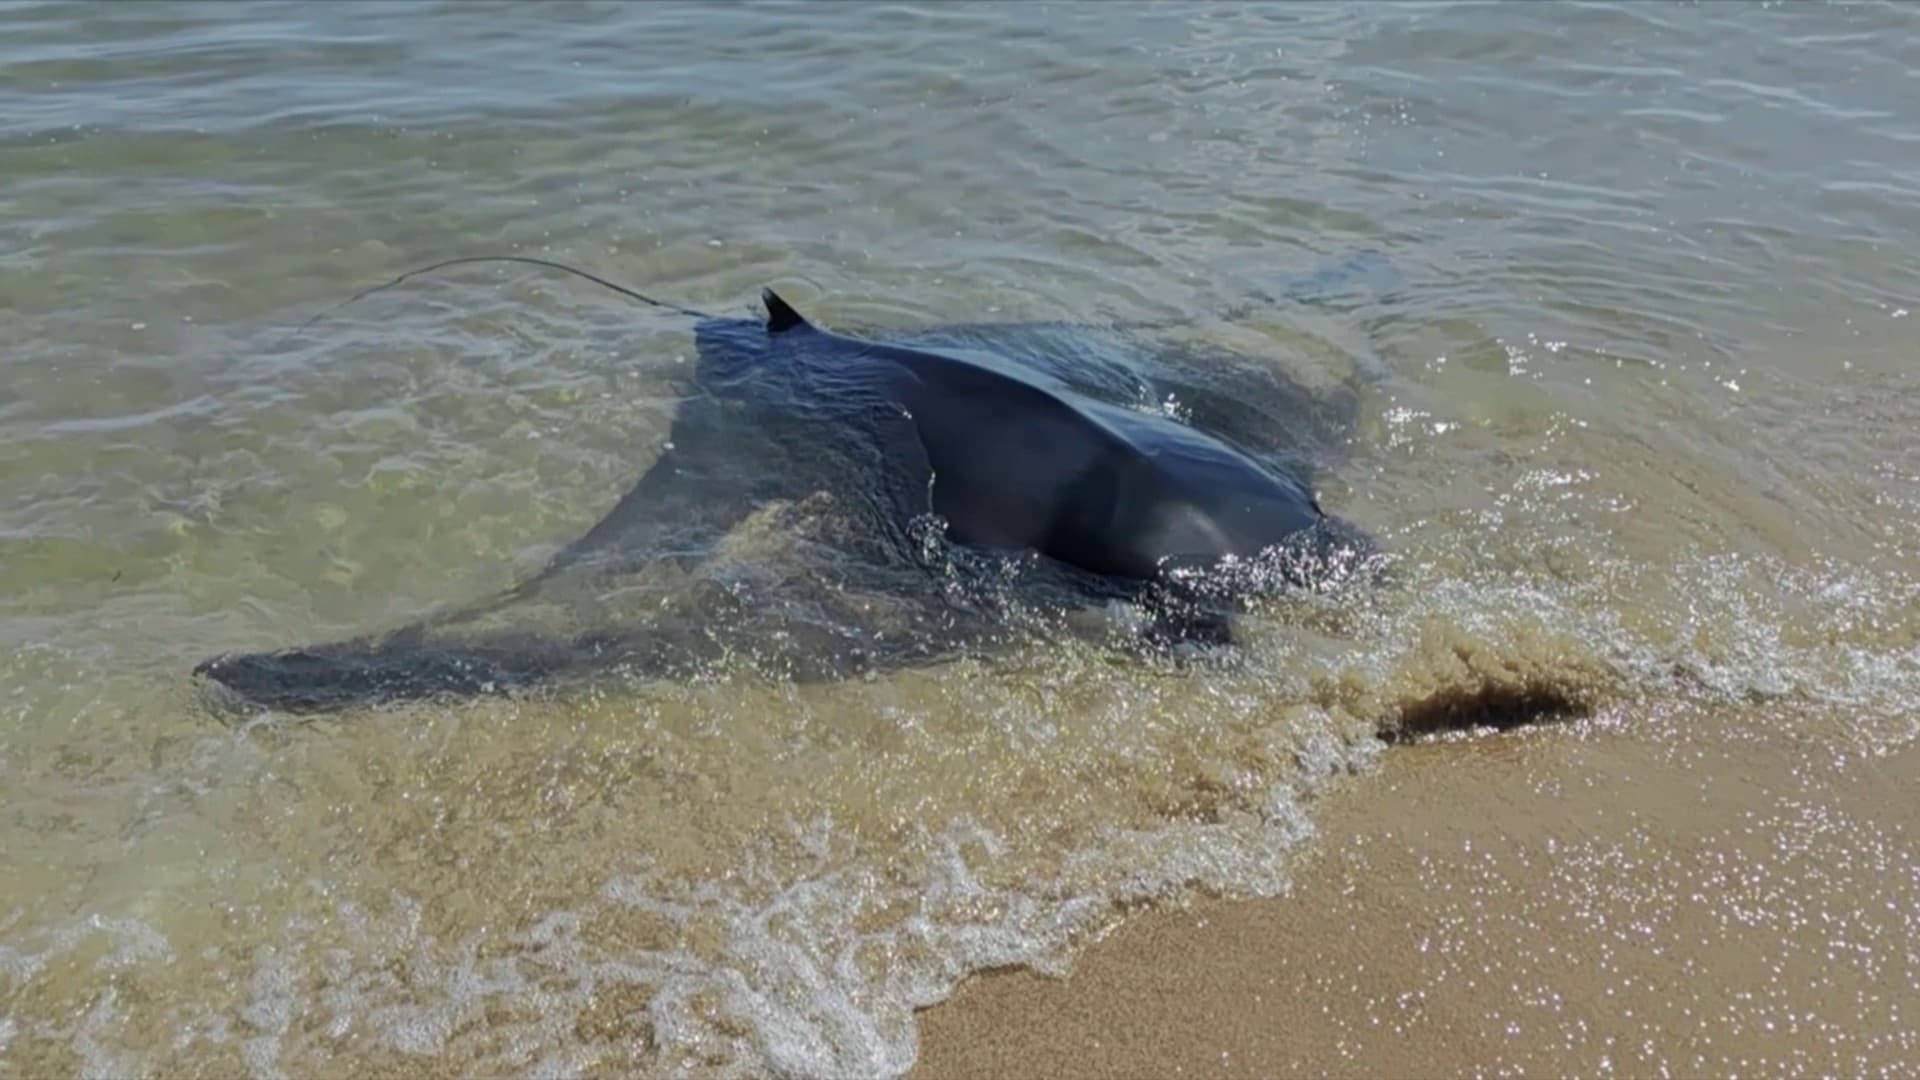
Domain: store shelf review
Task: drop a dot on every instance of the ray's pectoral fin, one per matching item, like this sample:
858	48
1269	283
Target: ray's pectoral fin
727	454
634	593
402	666
703	484
551	625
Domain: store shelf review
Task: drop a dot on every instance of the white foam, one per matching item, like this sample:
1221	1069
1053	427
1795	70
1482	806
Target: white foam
821	996
97	1058
272	1001
135	942
815	970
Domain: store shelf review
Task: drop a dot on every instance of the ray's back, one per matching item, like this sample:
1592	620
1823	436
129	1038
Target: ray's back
1013	456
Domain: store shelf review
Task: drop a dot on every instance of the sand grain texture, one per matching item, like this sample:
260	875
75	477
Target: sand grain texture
1710	894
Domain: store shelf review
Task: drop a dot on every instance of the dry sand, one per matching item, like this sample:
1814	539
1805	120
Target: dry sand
1696	894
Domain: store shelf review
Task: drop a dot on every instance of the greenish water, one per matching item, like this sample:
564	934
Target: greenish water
1644	428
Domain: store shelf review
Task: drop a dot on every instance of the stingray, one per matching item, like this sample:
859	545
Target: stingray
829	503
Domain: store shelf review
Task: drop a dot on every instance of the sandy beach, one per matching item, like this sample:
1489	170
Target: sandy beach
1700	895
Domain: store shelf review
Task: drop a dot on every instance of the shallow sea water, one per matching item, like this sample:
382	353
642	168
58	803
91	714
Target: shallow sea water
1640	425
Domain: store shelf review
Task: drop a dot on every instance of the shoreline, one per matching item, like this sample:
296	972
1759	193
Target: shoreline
1697	895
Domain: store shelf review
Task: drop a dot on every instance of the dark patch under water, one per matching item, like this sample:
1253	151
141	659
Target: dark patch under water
1484	707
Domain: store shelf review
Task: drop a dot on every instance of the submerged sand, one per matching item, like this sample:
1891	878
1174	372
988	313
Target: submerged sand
1708	892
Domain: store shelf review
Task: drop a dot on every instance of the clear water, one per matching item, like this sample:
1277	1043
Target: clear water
1643	430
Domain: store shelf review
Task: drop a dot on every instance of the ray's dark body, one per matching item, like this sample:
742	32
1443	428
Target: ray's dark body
1040	447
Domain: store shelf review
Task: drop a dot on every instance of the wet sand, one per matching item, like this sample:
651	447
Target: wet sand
1703	893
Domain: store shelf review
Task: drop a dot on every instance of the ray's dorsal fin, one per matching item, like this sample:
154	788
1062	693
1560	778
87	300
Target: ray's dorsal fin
780	315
